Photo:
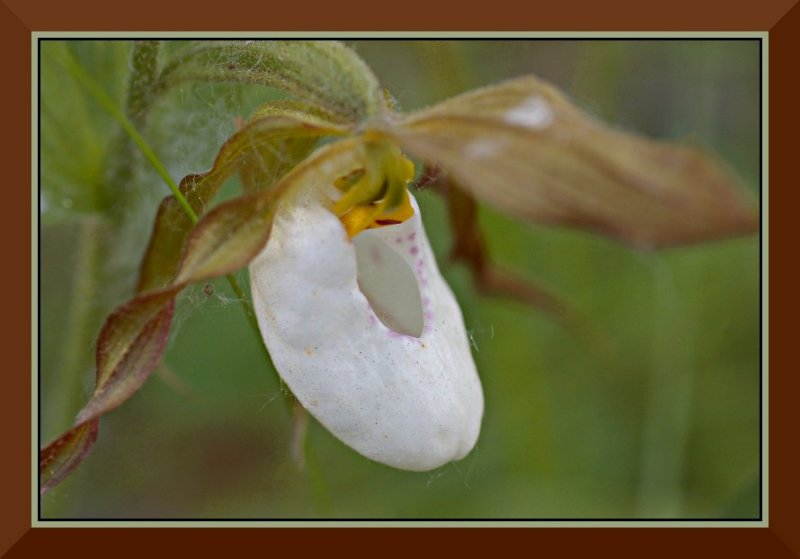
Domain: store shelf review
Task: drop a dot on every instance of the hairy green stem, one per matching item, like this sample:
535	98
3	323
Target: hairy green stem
316	481
143	82
250	314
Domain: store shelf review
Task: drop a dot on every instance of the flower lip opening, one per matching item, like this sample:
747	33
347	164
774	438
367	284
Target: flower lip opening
375	195
375	200
372	216
389	283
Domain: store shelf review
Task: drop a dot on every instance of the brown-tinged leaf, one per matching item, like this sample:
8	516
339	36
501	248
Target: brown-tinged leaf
160	261
133	338
63	455
523	148
231	235
246	151
469	248
271	159
300	110
129	347
323	73
227	239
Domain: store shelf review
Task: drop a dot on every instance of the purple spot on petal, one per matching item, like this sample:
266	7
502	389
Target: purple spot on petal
375	254
414	250
398	240
412	236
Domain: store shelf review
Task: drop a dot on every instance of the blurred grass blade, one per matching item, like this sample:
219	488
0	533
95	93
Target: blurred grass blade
524	149
251	151
324	73
76	140
133	338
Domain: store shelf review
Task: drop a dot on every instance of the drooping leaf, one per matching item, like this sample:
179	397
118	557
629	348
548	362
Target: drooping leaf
273	158
523	148
130	345
301	110
143	86
133	338
270	161
469	248
244	152
229	237
160	262
59	458
323	73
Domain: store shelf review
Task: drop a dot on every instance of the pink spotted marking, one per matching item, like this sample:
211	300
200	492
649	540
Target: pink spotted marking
375	254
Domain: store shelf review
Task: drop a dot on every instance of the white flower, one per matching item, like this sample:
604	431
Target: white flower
368	336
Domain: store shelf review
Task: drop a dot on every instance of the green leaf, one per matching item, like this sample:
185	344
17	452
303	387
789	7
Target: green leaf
323	73
523	148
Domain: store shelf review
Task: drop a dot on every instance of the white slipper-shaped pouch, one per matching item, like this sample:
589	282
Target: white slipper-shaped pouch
368	336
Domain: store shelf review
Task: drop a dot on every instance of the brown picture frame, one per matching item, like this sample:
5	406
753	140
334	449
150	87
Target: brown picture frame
780	18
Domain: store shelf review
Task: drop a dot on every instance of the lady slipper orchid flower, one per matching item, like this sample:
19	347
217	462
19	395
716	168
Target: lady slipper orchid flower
347	294
363	328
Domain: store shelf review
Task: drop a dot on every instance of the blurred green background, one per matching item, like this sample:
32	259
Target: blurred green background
662	422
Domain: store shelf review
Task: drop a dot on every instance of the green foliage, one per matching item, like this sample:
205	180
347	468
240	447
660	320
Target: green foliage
323	73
